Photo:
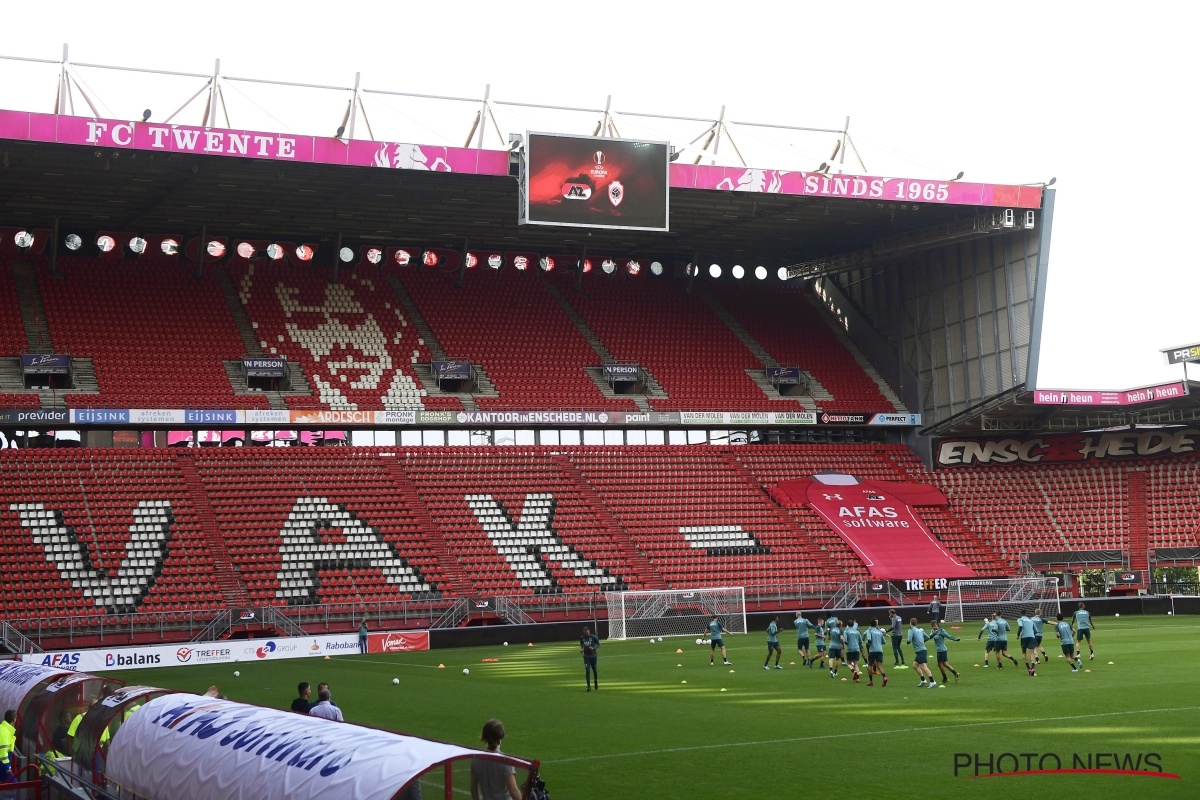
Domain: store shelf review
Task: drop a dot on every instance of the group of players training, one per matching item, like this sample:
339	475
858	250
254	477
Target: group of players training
844	644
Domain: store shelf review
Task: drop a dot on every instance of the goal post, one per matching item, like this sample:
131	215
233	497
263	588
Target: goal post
674	612
978	599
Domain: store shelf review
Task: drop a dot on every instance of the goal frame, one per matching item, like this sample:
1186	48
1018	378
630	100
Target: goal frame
977	598
674	612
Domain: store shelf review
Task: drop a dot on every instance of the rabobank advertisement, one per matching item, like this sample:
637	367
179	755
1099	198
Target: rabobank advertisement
174	655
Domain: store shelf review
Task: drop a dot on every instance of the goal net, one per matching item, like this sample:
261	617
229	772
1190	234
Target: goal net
674	612
1011	597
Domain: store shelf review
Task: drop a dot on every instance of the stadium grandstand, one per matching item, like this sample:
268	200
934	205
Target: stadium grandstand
519	411
264	384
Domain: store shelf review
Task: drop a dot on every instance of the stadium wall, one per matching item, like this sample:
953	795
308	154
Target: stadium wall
965	318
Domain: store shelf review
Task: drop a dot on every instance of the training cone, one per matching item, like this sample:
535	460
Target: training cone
1110	662
793	663
1087	670
683	681
531	644
326	658
679	665
731	670
441	666
977	665
677	650
722	690
843	680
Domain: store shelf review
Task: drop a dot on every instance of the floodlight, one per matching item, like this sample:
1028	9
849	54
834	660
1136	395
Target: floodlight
957	177
106	243
346	254
738	271
304	252
546	263
215	249
73	242
760	272
1051	182
495	261
374	255
403	257
714	270
587	265
170	247
782	273
656	267
341	129
633	267
521	262
429	258
609	266
24	239
245	249
138	245
146	115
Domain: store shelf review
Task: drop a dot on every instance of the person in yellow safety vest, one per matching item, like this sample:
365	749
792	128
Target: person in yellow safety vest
75	727
8	743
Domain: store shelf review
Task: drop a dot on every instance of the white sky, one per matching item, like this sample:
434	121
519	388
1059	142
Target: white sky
1102	99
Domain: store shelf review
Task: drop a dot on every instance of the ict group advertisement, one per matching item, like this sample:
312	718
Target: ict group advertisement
595	182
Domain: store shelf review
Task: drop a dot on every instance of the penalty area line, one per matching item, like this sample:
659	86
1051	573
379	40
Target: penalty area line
828	736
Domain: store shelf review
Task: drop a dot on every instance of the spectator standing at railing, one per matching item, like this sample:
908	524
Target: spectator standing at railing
362	636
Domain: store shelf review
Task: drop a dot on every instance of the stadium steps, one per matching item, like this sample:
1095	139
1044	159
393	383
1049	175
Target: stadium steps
250	340
296	378
651	579
816	391
1135	482
33	314
884	387
451	569
819	553
227	576
652	389
424	372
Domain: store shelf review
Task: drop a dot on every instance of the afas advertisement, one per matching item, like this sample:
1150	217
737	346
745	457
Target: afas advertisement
596	182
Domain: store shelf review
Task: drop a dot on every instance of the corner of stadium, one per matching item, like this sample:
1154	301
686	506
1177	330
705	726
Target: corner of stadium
401	415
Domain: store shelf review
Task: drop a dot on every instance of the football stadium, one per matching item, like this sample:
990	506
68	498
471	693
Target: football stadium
320	455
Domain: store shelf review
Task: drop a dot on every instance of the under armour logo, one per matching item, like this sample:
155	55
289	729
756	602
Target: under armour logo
832	496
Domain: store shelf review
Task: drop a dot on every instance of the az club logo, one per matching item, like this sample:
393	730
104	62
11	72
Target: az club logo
183	654
873	496
265	650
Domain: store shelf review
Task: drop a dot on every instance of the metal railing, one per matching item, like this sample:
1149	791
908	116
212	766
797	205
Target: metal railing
845	597
454	616
15	642
510	609
215	629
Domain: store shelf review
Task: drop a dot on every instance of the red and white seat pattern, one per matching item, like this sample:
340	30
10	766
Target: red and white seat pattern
351	337
309	546
98	531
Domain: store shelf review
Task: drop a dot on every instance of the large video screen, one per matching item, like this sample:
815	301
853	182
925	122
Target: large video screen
587	181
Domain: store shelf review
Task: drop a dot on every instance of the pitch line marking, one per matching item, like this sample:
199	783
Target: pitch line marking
864	733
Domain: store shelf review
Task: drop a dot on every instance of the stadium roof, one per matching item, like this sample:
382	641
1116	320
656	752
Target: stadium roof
125	187
1019	410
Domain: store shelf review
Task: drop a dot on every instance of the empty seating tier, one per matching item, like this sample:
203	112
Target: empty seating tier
156	335
512	326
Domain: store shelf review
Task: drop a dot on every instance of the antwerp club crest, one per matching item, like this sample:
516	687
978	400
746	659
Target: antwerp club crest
616	193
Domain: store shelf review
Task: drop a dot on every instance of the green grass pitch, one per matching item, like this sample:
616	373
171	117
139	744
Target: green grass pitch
667	725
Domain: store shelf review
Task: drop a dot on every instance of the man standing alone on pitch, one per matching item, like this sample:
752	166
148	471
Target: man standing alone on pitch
589	643
935	609
1083	630
875	638
715	629
773	644
897	638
